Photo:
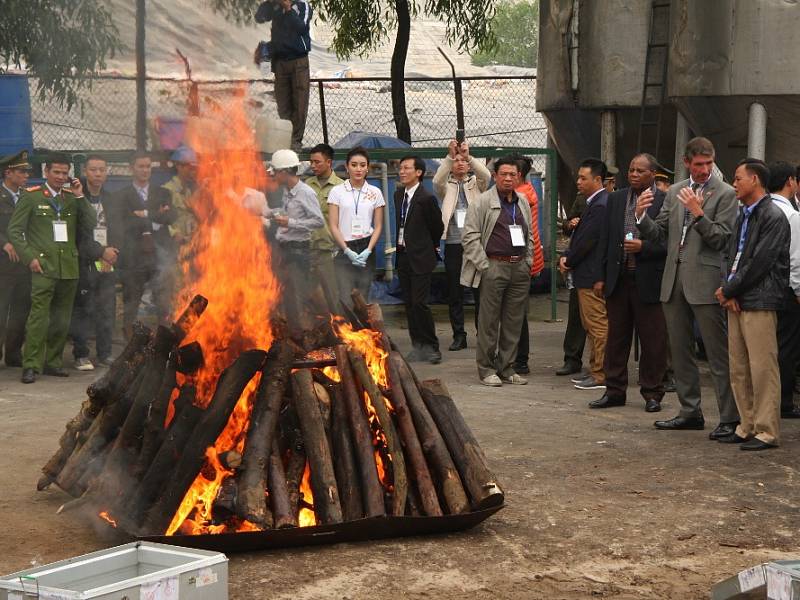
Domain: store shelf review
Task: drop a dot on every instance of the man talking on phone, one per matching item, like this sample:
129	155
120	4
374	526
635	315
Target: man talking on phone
44	229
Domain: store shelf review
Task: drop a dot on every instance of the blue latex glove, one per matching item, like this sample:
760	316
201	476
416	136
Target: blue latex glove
362	258
352	256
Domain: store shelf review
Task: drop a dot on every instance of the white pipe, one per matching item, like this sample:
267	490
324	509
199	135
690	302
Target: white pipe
681	139
608	138
387	224
757	131
574	32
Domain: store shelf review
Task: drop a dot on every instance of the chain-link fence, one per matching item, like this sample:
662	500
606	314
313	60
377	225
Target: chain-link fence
498	111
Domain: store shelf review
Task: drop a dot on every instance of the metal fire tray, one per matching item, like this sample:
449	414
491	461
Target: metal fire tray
373	528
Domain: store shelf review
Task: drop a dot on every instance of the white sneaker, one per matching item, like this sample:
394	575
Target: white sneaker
84	364
492	381
515	379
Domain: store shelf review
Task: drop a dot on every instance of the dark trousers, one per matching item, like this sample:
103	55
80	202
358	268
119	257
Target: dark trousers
453	256
299	282
292	85
416	288
15	304
575	335
133	284
626	310
94	312
524	347
788	352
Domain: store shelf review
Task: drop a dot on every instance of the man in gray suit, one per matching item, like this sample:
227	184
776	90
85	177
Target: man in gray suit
696	222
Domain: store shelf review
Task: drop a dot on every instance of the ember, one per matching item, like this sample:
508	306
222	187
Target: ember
198	429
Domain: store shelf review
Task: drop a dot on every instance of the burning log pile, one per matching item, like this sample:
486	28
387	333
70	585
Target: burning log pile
289	438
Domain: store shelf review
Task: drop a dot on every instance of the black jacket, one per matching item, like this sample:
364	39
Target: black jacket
89	250
138	246
762	276
649	262
423	229
587	248
290	35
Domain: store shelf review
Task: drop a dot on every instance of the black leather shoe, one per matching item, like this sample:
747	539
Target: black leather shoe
756	444
416	356
732	439
722	430
669	386
676	423
652	405
568	369
791	413
521	368
28	376
434	357
56	372
459	343
607	401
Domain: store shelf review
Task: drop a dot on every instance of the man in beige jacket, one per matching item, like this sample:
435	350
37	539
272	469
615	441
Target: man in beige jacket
457	188
498	252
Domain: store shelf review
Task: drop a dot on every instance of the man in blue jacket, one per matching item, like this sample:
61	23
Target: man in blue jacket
290	44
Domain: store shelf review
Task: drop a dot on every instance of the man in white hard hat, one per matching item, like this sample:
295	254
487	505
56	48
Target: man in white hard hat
298	217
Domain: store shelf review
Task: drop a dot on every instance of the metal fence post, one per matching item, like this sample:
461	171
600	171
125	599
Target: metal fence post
322	113
552	188
141	78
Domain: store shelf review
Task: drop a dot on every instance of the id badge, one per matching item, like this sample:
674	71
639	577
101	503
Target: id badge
461	216
401	238
735	265
683	234
358	227
60	231
101	236
517	237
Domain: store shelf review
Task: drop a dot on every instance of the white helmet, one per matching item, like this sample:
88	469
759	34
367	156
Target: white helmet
284	159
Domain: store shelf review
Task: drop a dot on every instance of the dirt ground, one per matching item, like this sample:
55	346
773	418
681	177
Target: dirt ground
599	504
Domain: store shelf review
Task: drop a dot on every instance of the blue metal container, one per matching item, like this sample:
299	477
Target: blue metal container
15	114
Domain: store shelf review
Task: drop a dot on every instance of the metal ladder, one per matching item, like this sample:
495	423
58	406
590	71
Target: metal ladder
656	61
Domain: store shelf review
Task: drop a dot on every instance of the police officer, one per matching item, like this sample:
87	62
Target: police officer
44	229
15	278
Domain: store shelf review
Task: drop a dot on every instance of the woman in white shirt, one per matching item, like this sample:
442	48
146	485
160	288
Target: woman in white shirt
355	218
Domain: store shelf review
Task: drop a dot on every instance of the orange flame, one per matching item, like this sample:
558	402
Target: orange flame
107	517
306	518
227	261
368	343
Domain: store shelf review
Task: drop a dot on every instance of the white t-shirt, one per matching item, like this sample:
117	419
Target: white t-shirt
356	209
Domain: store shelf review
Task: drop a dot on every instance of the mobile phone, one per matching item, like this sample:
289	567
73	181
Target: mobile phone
460	136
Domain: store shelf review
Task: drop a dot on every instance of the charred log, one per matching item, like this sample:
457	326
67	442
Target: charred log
283	514
344	462
189	358
189	316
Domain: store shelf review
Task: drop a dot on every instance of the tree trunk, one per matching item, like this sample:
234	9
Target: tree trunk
327	507
467	454
398	70
282	511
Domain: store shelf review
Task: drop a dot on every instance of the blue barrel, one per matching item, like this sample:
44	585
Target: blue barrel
15	114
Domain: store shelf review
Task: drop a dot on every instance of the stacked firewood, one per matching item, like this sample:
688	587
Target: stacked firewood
140	440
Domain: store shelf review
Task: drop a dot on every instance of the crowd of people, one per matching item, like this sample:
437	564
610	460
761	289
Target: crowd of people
695	266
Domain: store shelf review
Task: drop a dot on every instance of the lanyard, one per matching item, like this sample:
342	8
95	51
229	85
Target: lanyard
356	199
513	212
56	207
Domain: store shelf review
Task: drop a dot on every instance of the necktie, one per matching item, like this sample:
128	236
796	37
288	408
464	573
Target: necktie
404	212
687	220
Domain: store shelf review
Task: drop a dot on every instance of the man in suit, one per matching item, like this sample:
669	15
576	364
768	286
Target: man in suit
15	277
498	255
632	284
141	205
574	334
695	222
584	259
419	229
95	307
782	187
753	290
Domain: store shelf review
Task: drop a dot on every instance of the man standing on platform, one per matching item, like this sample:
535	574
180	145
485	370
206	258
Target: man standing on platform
695	222
44	230
15	277
95	307
322	246
419	229
632	283
584	258
754	289
498	254
457	188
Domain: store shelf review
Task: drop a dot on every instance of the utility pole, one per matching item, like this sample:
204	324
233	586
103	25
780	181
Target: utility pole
141	74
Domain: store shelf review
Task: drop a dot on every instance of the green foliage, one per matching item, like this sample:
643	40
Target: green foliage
62	43
516	29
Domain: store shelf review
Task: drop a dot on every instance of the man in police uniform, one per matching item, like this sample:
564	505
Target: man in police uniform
15	278
44	229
